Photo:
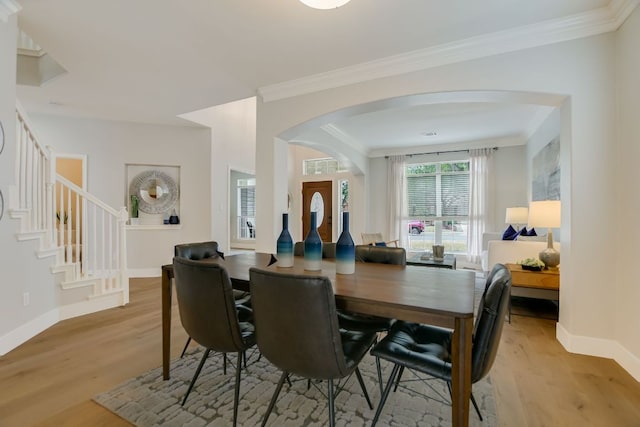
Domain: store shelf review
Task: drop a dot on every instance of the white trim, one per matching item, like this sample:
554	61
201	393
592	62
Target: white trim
8	8
572	27
26	331
144	272
599	347
91	305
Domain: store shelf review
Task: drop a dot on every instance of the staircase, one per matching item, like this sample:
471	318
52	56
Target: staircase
85	237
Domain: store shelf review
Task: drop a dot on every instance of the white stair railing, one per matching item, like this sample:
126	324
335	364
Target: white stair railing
92	236
34	188
88	235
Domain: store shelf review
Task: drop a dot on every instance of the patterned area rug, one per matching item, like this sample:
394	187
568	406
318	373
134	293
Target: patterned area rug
147	400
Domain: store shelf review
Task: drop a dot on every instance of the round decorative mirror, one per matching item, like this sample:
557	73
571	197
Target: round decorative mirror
157	192
1	138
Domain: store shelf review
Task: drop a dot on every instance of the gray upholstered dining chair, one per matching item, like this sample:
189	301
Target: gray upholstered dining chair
427	348
209	315
297	330
208	250
379	255
328	249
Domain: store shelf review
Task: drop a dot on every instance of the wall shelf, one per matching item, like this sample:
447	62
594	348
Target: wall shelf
154	227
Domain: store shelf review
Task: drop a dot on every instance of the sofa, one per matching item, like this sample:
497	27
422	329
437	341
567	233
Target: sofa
496	250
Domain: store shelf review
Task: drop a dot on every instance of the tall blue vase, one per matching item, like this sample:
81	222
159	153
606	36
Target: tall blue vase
345	249
285	244
313	247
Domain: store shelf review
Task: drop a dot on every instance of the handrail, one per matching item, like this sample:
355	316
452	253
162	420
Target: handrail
87	235
88	196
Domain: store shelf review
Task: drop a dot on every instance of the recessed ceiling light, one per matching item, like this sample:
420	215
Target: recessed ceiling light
325	4
429	134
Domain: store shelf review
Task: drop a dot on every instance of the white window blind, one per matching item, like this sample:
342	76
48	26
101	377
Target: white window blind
438	191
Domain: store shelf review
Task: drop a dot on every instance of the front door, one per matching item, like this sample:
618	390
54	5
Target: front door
317	197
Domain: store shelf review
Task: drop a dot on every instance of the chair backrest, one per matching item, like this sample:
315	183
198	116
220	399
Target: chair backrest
381	254
371	238
296	323
328	249
492	310
206	304
196	251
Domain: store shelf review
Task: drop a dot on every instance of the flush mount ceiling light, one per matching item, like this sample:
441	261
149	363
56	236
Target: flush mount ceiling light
325	4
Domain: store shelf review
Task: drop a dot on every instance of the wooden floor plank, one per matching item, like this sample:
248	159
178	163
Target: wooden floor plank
50	380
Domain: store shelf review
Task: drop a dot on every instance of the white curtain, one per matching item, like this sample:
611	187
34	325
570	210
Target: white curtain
396	197
480	200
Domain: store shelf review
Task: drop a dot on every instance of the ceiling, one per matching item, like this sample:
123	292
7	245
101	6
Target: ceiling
149	61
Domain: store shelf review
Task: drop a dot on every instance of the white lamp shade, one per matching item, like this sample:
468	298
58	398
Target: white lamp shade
325	4
517	215
544	213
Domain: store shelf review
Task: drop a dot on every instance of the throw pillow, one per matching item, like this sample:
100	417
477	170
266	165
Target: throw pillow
509	234
531	238
381	244
532	232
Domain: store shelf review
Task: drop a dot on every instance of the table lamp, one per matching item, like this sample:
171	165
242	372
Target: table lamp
546	213
517	216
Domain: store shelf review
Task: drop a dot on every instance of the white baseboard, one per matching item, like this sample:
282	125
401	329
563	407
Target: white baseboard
599	347
92	305
144	272
27	331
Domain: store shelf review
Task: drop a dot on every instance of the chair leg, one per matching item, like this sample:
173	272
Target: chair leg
184	350
285	375
224	363
385	394
475	405
364	389
332	410
195	376
236	396
398	379
379	375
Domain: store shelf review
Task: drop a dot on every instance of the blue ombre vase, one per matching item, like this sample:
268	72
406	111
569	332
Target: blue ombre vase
313	247
285	244
345	249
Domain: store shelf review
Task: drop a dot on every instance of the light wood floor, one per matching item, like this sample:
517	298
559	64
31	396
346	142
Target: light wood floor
50	380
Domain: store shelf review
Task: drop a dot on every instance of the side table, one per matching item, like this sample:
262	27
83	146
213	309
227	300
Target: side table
543	284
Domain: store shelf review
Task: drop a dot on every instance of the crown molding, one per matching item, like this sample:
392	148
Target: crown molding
344	137
594	22
8	8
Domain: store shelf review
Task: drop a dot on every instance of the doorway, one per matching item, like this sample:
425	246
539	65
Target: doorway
317	197
242	209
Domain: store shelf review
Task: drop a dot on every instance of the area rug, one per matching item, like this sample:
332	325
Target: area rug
148	401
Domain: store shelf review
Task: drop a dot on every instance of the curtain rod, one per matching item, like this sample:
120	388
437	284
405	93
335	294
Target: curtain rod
437	153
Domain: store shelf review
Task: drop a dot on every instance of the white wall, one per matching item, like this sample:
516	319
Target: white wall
110	145
579	78
627	197
18	322
233	139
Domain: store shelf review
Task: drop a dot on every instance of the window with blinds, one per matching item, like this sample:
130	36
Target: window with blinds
438	191
438	196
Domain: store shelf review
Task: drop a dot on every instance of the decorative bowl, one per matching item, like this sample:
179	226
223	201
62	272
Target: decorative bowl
531	267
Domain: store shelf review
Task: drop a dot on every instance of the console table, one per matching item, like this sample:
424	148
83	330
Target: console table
543	284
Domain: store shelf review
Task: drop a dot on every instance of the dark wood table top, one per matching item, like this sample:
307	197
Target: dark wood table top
379	289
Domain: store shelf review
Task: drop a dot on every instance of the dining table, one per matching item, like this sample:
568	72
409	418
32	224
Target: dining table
433	296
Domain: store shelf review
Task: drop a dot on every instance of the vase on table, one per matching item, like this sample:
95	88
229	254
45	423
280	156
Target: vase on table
285	244
313	247
345	249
